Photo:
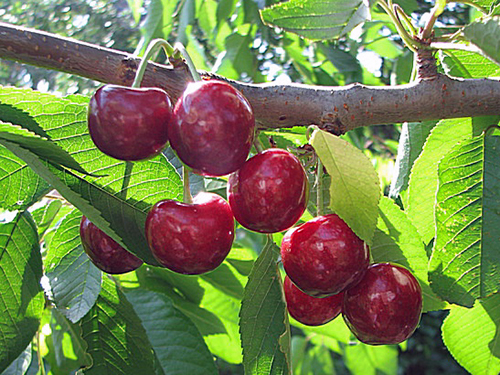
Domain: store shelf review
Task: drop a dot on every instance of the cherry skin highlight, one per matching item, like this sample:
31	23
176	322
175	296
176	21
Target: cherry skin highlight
191	238
105	252
213	128
270	192
323	256
385	306
309	310
129	123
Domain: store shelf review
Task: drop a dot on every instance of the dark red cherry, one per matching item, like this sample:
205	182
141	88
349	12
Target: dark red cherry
309	310
323	256
270	192
129	123
191	238
105	252
385	306
213	128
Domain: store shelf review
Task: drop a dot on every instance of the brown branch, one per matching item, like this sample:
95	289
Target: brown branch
337	109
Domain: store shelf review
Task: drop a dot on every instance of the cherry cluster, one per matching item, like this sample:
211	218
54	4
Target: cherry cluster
328	273
211	128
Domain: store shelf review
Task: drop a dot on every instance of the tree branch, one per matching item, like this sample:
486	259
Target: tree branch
337	109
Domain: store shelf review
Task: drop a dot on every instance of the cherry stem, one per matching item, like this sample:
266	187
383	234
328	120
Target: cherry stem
435	13
187	197
189	62
392	13
41	367
150	52
319	188
257	143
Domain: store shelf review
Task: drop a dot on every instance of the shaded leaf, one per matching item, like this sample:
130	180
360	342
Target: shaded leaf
177	343
45	215
485	34
22	300
264	328
21	364
75	281
116	339
364	359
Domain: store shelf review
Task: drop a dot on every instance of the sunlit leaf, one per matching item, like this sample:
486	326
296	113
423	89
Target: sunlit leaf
472	336
355	186
315	19
485	34
465	258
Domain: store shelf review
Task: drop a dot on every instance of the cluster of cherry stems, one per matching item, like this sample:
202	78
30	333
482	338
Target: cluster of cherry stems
211	128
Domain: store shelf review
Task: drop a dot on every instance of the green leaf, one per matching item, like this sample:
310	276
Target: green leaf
472	336
225	280
317	20
122	219
22	300
115	337
44	148
355	186
336	329
397	240
135	7
264	328
19	184
21	364
465	257
74	280
411	141
317	361
45	215
485	34
424	174
364	359
468	64
177	343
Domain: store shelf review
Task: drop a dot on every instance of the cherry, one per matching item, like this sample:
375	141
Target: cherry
309	310
213	128
191	238
323	256
385	307
129	123
105	252
270	192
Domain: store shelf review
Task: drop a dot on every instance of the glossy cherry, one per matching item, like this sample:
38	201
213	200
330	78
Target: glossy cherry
213	128
323	256
129	123
385	306
270	192
105	252
191	238
309	310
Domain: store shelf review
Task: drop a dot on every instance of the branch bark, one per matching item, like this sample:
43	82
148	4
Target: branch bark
337	109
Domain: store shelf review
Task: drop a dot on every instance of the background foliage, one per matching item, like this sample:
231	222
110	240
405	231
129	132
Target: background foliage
155	321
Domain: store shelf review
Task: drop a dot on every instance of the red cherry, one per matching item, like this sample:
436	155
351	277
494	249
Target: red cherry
213	128
191	238
129	123
323	256
105	252
270	192
385	307
309	310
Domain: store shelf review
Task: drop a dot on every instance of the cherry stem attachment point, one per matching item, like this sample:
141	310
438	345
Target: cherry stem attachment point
187	197
150	53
